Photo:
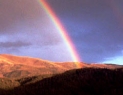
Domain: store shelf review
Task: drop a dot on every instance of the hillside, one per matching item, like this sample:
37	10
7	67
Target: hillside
33	76
87	81
16	67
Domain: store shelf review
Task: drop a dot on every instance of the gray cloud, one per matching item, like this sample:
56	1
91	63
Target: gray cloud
26	20
16	12
17	44
15	47
94	26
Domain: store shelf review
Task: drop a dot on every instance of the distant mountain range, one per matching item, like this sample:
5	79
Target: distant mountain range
33	76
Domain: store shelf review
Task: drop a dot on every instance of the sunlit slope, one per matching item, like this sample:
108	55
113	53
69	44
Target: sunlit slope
14	66
18	66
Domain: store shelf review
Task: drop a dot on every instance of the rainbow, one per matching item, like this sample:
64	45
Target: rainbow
61	30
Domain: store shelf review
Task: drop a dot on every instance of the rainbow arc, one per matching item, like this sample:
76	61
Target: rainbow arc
61	29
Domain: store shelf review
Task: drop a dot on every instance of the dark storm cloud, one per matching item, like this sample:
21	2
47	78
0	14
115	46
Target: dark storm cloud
26	20
99	43
17	44
94	26
16	12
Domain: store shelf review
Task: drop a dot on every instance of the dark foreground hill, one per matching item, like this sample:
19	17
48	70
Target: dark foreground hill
86	81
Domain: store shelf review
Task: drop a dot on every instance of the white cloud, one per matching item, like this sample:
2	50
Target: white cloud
115	60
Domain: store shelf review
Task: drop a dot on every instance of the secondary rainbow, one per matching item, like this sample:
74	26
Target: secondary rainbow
61	30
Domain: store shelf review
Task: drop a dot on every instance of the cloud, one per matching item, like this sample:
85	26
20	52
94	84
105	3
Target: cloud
114	60
16	12
96	41
17	44
13	47
95	29
26	20
37	38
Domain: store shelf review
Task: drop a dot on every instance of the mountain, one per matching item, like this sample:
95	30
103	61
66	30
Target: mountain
32	76
16	66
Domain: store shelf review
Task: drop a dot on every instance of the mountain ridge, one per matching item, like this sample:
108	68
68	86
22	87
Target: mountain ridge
13	66
32	76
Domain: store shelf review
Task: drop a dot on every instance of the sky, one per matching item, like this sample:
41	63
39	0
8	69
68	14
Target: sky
94	26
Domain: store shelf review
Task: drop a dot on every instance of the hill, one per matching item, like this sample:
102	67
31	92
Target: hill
87	81
33	76
17	67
